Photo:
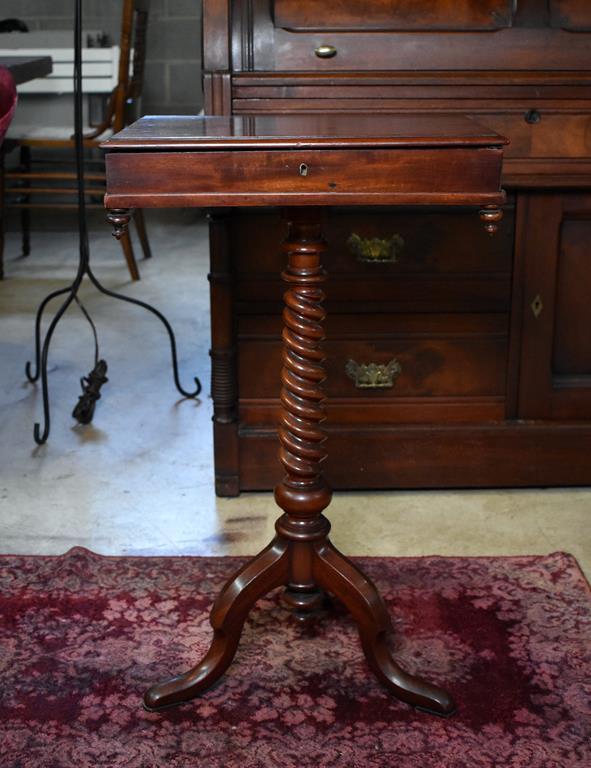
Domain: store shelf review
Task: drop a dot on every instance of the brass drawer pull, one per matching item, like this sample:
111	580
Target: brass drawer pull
376	249
373	375
325	51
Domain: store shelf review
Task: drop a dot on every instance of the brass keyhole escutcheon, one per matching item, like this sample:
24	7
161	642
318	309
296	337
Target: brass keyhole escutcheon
537	306
303	169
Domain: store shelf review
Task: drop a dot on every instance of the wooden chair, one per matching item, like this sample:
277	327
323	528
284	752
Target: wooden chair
46	178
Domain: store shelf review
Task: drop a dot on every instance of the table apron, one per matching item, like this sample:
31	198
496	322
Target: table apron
463	176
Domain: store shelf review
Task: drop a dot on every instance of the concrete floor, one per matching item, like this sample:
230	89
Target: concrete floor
139	479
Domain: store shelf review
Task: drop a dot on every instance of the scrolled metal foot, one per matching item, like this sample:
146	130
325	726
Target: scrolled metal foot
32	377
165	323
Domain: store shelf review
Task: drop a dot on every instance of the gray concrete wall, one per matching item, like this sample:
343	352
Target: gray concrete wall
173	62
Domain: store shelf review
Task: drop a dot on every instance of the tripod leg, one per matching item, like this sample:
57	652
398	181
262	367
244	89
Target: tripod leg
337	574
32	377
267	570
119	218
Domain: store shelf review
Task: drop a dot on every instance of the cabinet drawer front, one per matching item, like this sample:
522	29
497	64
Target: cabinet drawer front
421	357
383	243
393	14
346	293
386	176
364	51
428	456
537	133
443	262
393	243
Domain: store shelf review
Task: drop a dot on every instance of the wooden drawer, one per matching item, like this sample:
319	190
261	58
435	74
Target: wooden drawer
421	356
387	175
428	456
477	93
291	36
391	243
394	14
283	50
437	262
375	294
541	133
394	242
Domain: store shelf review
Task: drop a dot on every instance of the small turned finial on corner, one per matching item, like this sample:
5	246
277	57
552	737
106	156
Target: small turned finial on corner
119	218
491	217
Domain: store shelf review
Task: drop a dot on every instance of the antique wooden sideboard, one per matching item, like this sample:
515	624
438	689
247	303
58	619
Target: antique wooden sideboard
456	360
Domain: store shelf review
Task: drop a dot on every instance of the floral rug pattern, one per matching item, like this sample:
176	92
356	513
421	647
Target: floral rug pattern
82	636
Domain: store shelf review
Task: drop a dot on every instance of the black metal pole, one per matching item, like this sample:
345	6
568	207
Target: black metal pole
91	384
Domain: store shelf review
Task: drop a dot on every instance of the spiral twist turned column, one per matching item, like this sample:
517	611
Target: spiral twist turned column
303	493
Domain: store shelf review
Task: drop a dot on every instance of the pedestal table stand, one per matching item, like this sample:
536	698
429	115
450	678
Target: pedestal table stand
303	164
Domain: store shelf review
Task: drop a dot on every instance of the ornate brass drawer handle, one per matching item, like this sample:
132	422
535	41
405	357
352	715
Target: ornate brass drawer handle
325	51
373	375
376	249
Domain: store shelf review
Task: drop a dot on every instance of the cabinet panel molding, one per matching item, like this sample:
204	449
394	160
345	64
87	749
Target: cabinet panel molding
555	376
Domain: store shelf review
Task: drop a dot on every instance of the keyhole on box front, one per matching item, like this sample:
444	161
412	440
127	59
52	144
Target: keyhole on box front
303	169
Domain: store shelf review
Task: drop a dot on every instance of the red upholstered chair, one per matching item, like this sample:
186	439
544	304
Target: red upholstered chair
7	107
7	100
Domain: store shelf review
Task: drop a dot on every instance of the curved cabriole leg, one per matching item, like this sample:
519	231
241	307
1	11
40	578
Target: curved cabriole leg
338	575
262	574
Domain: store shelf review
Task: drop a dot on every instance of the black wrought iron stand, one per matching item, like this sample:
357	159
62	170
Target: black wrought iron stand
92	383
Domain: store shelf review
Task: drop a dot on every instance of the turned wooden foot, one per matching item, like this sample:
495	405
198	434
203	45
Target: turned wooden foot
337	574
305	603
262	574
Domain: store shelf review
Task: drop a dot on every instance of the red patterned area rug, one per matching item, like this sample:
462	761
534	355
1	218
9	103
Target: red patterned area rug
82	636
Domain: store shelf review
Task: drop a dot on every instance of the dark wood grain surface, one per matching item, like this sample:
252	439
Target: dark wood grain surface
393	14
303	160
303	131
526	74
